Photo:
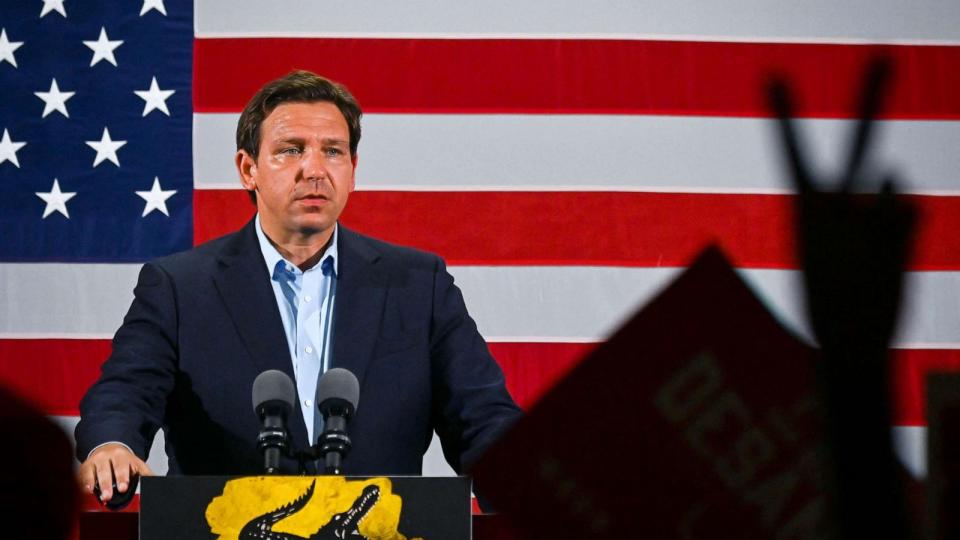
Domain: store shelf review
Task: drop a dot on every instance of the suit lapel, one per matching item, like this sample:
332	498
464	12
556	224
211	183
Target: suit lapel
244	287
361	290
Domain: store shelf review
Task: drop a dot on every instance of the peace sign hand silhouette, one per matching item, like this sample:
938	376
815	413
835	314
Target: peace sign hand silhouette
853	247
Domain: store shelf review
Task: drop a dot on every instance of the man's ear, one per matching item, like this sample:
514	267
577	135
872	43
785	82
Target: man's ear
353	179
247	168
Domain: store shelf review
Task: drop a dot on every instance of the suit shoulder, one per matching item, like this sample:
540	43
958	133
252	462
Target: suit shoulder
196	258
397	254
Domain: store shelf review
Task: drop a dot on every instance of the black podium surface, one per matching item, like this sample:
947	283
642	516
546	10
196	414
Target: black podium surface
292	507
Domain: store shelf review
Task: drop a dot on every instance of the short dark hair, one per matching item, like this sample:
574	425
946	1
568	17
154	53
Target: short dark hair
295	87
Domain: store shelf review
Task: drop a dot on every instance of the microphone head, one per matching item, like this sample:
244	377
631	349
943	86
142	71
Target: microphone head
273	389
338	389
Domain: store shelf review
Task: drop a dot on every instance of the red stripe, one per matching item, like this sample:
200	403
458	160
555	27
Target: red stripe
576	76
53	373
533	368
56	373
592	228
909	372
219	212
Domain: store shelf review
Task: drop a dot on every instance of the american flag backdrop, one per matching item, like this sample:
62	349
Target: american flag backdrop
567	158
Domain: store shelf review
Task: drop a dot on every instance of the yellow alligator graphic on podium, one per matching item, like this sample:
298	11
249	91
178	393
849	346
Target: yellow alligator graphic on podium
305	508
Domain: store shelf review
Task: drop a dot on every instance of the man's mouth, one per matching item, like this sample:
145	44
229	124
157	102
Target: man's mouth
313	199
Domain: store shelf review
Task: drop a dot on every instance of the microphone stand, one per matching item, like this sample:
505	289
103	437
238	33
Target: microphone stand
332	446
273	441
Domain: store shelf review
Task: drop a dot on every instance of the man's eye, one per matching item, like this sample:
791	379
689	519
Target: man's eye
333	152
291	151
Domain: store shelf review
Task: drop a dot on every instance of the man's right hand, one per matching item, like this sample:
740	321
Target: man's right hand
107	462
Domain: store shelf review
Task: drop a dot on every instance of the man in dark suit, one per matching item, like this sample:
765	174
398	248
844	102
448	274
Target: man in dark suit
292	291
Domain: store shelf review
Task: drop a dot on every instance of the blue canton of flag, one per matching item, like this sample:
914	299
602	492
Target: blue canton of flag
95	130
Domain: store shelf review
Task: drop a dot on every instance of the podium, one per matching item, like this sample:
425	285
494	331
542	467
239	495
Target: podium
209	507
314	507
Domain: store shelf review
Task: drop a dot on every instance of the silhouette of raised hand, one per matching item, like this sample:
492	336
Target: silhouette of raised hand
853	246
853	249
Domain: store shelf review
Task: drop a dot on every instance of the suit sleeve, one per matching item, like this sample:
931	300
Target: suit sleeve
128	401
472	407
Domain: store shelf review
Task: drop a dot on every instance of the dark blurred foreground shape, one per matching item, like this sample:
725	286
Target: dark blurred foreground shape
696	419
39	496
854	246
703	418
943	451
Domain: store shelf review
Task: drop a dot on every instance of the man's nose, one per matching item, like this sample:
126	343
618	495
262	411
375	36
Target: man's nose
313	165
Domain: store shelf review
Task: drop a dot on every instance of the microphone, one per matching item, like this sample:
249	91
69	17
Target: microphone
338	392
273	397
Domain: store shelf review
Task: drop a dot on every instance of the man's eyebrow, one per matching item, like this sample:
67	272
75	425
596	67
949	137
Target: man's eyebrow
288	140
300	140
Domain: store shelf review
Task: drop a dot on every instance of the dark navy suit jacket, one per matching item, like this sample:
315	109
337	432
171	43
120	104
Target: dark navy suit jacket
204	323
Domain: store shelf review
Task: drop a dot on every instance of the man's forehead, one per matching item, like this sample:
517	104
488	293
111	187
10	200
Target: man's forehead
297	116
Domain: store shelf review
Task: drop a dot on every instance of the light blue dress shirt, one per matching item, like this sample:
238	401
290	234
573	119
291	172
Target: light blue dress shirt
305	300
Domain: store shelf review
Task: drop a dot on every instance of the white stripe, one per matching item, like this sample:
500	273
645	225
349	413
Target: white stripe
588	303
254	34
601	152
220	186
735	20
434	464
509	303
807	40
64	300
540	339
910	446
54	335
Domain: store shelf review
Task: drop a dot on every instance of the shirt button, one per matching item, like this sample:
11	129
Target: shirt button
309	350
307	298
308	403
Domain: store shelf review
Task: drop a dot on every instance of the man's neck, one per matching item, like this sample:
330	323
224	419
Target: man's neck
305	251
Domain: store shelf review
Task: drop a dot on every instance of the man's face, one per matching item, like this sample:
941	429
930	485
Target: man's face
304	172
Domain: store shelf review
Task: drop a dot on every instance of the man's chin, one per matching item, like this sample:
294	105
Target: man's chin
311	227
